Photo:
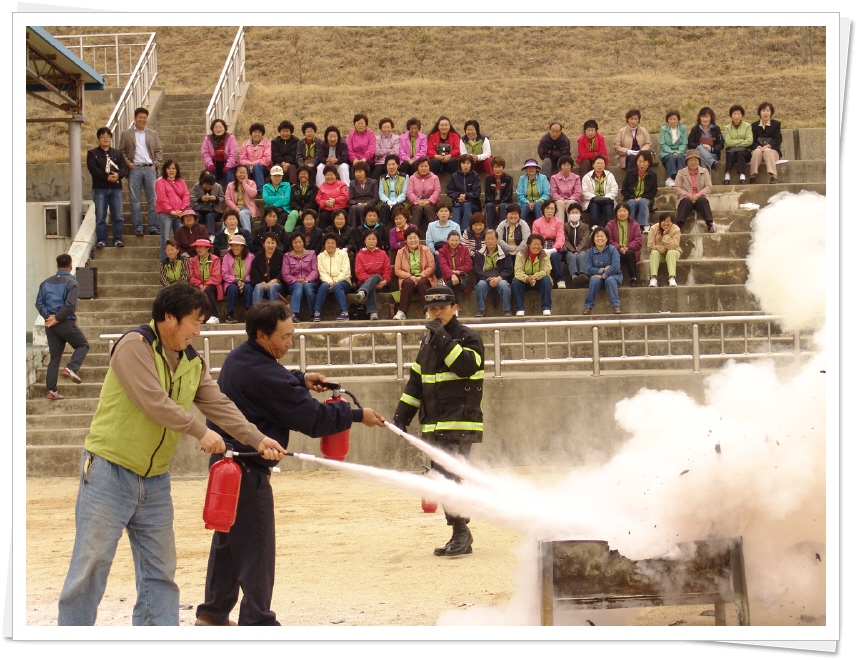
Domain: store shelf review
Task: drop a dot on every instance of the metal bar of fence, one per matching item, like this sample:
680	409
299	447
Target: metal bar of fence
596	353
400	357
696	348
498	357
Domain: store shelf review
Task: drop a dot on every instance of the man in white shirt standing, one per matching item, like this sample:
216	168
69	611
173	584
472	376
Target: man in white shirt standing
141	147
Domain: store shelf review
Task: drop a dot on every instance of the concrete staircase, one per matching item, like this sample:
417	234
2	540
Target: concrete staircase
711	276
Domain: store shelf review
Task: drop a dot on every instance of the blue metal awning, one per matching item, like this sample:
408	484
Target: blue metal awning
44	51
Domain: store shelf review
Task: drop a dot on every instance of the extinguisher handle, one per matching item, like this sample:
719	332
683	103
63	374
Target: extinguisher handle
329	385
353	398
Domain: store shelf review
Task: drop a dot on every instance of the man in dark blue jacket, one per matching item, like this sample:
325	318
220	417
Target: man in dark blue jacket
57	303
277	401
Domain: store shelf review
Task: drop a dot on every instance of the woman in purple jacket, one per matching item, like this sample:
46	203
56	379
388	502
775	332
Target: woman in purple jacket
220	152
413	145
300	276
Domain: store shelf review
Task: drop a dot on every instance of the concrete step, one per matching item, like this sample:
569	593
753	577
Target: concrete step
705	246
41	407
91	320
145	291
65	424
93	305
54	461
186	98
69	391
135	248
150	278
132	265
728	198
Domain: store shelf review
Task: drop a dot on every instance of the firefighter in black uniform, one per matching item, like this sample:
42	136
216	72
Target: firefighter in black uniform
446	387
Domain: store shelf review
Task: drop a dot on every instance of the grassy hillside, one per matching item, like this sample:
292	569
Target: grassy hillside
501	76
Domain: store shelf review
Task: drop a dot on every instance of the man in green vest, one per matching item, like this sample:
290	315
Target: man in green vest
144	407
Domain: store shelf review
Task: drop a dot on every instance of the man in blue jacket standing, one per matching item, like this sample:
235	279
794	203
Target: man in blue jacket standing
57	303
276	400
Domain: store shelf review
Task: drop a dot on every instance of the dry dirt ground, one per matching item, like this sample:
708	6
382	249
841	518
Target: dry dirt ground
349	552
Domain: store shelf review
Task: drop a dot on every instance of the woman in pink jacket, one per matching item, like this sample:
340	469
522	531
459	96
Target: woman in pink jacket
220	152
565	186
235	266
205	273
332	195
256	155
413	145
423	193
552	231
240	196
361	142
172	198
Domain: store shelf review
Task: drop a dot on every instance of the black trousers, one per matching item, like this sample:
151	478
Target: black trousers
64	332
738	159
244	557
629	260
456	448
702	207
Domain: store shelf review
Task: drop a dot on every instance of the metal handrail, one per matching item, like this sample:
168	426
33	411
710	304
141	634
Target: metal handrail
228	88
136	91
112	46
491	331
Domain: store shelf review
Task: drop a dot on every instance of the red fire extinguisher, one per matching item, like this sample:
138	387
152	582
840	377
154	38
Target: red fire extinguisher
224	485
335	446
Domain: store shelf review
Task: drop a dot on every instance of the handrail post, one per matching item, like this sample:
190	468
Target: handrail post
596	353
696	348
498	370
797	346
400	357
206	350
303	352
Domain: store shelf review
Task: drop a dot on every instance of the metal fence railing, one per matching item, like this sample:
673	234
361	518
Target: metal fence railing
112	55
593	345
226	94
136	92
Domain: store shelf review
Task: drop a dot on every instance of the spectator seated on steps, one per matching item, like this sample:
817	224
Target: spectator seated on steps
362	194
300	276
278	194
256	155
372	268
625	235
631	140
206	274
492	271
173	268
240	196
284	151
371	221
266	270
589	145
207	198
386	144
664	244
400	226
303	197
334	276
361	143
415	269
189	233
220	152
230	228
335	155
332	194
270	224
310	232
235	266
456	265
413	145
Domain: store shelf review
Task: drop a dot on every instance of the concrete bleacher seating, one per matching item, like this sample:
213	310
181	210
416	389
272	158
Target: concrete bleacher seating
711	273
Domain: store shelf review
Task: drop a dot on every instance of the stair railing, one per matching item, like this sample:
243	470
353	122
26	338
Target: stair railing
136	92
224	100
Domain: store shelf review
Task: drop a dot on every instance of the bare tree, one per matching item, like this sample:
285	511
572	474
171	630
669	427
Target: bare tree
299	55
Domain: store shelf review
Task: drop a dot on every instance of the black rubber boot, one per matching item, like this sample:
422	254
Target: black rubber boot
461	542
440	552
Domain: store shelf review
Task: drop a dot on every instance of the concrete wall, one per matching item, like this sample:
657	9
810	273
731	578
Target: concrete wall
41	256
522	426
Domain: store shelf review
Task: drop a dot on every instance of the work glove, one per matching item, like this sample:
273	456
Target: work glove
437	337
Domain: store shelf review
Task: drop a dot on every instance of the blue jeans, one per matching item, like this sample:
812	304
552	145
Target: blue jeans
104	199
576	262
340	289
369	287
504	289
232	294
672	164
708	158
298	292
600	214
271	292
543	286
597	283
535	214
168	221
143	179
490	214
111	499
556	266
245	218
259	172
461	213
211	218
639	211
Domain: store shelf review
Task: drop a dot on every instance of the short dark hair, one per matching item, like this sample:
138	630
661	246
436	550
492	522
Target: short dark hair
565	159
513	208
413	121
533	237
297	235
272	236
386	120
664	216
305	168
307	212
329	237
63	260
390	157
623	205
762	106
101	131
597	157
337	213
370	232
362	166
631	113
498	160
256	126
420	161
590	123
270	209
229	213
370	209
568	207
400	209
138	111
169	162
705	110
477	218
444	205
465	158
238	167
219	121
670	113
737	107
286	124
207	177
330	168
453	233
411	230
264	316
179	300
646	155
359	116
309	124
332	129
473	123
602	230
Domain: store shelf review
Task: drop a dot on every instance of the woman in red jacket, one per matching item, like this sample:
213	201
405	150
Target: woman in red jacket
206	274
444	147
372	267
589	145
332	195
456	265
172	197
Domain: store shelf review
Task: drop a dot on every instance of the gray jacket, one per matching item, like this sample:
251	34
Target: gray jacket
128	145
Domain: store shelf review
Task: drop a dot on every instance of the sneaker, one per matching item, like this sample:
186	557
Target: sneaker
211	238
646	229
617	310
773	179
138	232
508	312
118	243
587	311
373	316
343	315
653	281
673	282
560	284
479	313
726	181
73	377
295	319
710	229
753	179
669	183
742	179
212	320
400	316
520	312
154	231
546	312
361	295
316	317
100	244
230	318
633	281
53	395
